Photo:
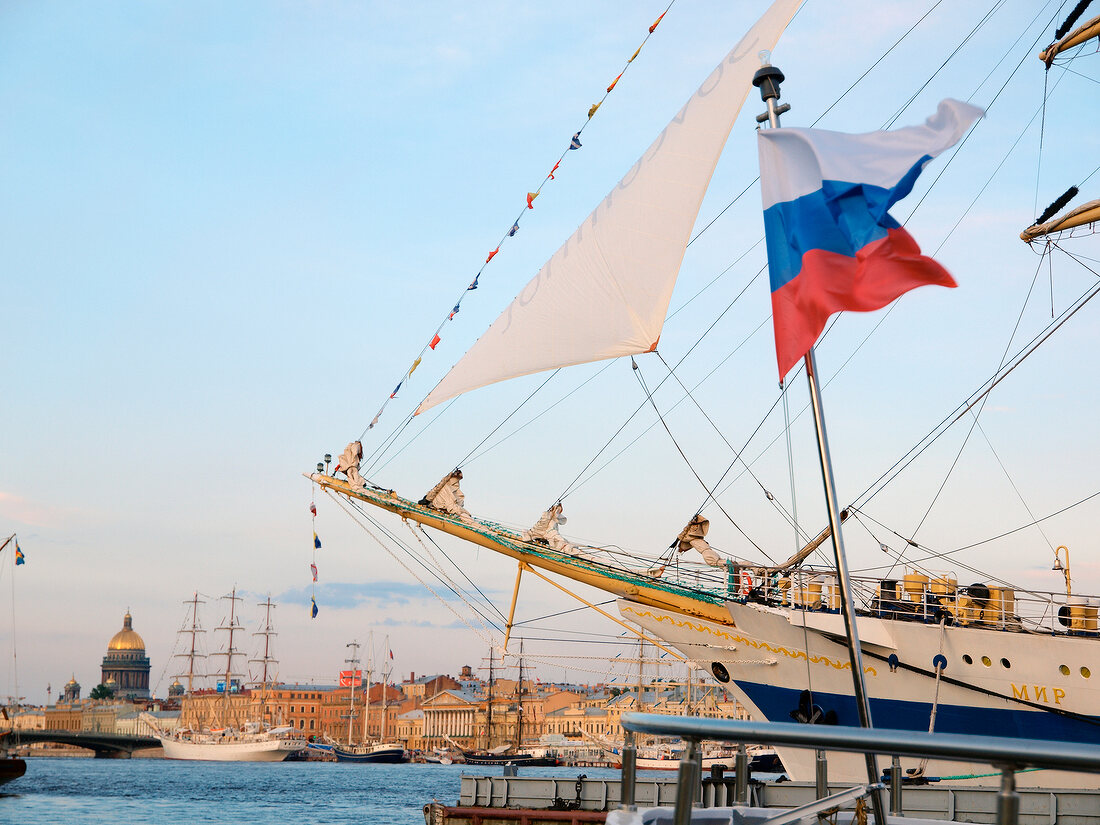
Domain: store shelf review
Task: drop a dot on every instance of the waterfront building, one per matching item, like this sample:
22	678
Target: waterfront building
63	716
176	690
70	694
299	706
453	716
125	668
409	729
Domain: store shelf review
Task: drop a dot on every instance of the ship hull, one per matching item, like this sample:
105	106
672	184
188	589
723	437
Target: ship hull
389	756
271	750
771	656
517	759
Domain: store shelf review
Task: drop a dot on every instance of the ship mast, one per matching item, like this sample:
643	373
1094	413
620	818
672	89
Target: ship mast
386	670
370	672
354	662
519	700
767	79
232	627
267	659
193	652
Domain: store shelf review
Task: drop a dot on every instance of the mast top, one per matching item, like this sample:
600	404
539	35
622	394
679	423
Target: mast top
767	80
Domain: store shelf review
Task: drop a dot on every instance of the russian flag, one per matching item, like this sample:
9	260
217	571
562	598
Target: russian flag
832	245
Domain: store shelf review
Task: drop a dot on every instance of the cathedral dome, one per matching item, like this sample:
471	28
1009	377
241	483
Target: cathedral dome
127	638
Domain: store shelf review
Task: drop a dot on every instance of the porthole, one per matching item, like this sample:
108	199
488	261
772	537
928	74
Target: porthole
720	672
967	659
1086	672
1063	669
987	661
1006	664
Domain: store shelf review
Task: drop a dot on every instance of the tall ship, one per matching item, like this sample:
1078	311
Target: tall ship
367	751
228	737
938	643
514	752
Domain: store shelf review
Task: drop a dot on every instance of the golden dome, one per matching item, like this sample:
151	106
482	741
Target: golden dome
127	638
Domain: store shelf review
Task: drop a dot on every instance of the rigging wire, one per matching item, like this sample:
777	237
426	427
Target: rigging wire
687	461
506	418
966	138
961	409
355	508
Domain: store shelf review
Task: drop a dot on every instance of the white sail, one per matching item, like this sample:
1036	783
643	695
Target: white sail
605	292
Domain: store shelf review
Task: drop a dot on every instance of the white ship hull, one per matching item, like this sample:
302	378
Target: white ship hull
228	750
1034	685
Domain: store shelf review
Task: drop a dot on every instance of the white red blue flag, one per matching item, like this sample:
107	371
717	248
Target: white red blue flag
832	244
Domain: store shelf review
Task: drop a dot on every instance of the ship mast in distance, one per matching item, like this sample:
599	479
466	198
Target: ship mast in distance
193	648
269	675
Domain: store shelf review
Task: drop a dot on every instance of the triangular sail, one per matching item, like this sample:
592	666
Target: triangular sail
606	291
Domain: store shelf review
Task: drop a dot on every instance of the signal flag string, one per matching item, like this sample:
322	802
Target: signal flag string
574	143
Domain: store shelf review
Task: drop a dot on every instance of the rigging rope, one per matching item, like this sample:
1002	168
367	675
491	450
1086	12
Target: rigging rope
485	637
687	461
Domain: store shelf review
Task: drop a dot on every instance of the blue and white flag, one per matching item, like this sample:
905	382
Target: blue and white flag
575	143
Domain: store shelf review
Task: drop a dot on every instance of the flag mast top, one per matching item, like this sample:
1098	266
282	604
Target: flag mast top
768	79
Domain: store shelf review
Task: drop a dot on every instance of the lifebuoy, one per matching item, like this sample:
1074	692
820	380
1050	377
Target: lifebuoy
746	582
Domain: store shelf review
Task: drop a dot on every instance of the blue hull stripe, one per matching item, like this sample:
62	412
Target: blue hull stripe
776	703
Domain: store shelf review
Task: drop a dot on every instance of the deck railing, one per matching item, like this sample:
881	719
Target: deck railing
1005	754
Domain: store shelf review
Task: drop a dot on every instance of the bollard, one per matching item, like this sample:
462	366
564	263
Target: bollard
718	783
742	774
895	786
630	757
687	783
822	775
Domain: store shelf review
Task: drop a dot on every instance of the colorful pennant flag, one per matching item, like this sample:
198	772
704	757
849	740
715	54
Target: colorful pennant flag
616	80
374	420
435	341
313	508
575	143
592	110
313	569
657	22
555	169
491	254
316	541
416	363
391	654
19	559
473	283
636	53
450	317
395	389
313	608
531	198
515	226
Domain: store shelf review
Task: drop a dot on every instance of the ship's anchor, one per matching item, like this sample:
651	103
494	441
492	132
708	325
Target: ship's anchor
807	713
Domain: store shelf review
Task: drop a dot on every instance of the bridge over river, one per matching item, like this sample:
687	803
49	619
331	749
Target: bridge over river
105	745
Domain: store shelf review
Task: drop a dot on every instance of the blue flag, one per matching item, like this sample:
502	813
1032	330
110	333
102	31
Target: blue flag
513	230
316	541
313	608
575	143
473	283
19	554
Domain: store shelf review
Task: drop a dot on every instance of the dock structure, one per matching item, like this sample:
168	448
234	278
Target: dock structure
509	800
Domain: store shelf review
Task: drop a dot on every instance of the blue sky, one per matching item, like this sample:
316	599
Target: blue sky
228	229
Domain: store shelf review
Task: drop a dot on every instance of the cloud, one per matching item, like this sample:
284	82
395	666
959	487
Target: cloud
352	594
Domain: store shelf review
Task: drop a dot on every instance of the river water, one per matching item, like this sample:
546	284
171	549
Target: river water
58	791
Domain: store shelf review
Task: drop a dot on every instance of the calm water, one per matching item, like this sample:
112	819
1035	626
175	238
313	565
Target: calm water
157	791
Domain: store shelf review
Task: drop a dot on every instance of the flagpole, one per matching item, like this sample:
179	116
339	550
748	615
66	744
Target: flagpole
767	79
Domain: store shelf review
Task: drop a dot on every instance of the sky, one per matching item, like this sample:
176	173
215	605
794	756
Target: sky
228	229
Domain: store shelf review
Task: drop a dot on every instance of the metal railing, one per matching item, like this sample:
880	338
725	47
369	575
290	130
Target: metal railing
1005	754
